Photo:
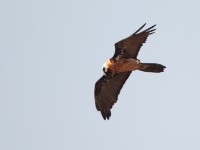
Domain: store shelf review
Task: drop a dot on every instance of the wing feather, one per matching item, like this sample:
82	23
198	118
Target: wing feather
107	89
132	44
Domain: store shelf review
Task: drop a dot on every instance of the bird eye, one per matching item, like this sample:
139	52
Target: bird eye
104	69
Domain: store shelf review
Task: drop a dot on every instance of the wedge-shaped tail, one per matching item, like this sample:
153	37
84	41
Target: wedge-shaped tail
151	67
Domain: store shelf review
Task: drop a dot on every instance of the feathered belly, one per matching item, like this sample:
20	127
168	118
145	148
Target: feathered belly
124	65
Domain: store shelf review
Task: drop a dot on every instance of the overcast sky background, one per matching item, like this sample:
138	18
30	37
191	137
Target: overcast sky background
51	55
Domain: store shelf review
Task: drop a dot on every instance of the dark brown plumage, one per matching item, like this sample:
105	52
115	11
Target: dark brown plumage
108	87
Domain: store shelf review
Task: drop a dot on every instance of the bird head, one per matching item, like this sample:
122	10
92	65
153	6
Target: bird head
106	69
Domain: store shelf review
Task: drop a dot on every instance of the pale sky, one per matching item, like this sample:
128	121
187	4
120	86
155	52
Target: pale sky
51	55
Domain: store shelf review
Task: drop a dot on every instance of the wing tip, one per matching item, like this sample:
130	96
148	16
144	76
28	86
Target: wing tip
106	114
149	30
140	28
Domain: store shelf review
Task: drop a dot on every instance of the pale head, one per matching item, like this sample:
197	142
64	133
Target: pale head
106	66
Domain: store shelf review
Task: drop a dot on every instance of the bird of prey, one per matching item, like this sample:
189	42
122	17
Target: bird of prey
117	69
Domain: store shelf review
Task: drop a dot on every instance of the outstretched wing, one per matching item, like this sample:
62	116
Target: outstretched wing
131	45
107	89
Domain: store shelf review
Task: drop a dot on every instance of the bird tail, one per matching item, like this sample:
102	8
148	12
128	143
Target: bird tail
151	67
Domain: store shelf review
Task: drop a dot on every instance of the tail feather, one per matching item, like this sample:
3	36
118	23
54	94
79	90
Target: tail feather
151	67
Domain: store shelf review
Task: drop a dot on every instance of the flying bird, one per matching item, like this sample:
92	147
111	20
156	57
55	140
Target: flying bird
117	69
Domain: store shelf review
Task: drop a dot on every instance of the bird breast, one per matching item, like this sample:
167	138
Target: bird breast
122	65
